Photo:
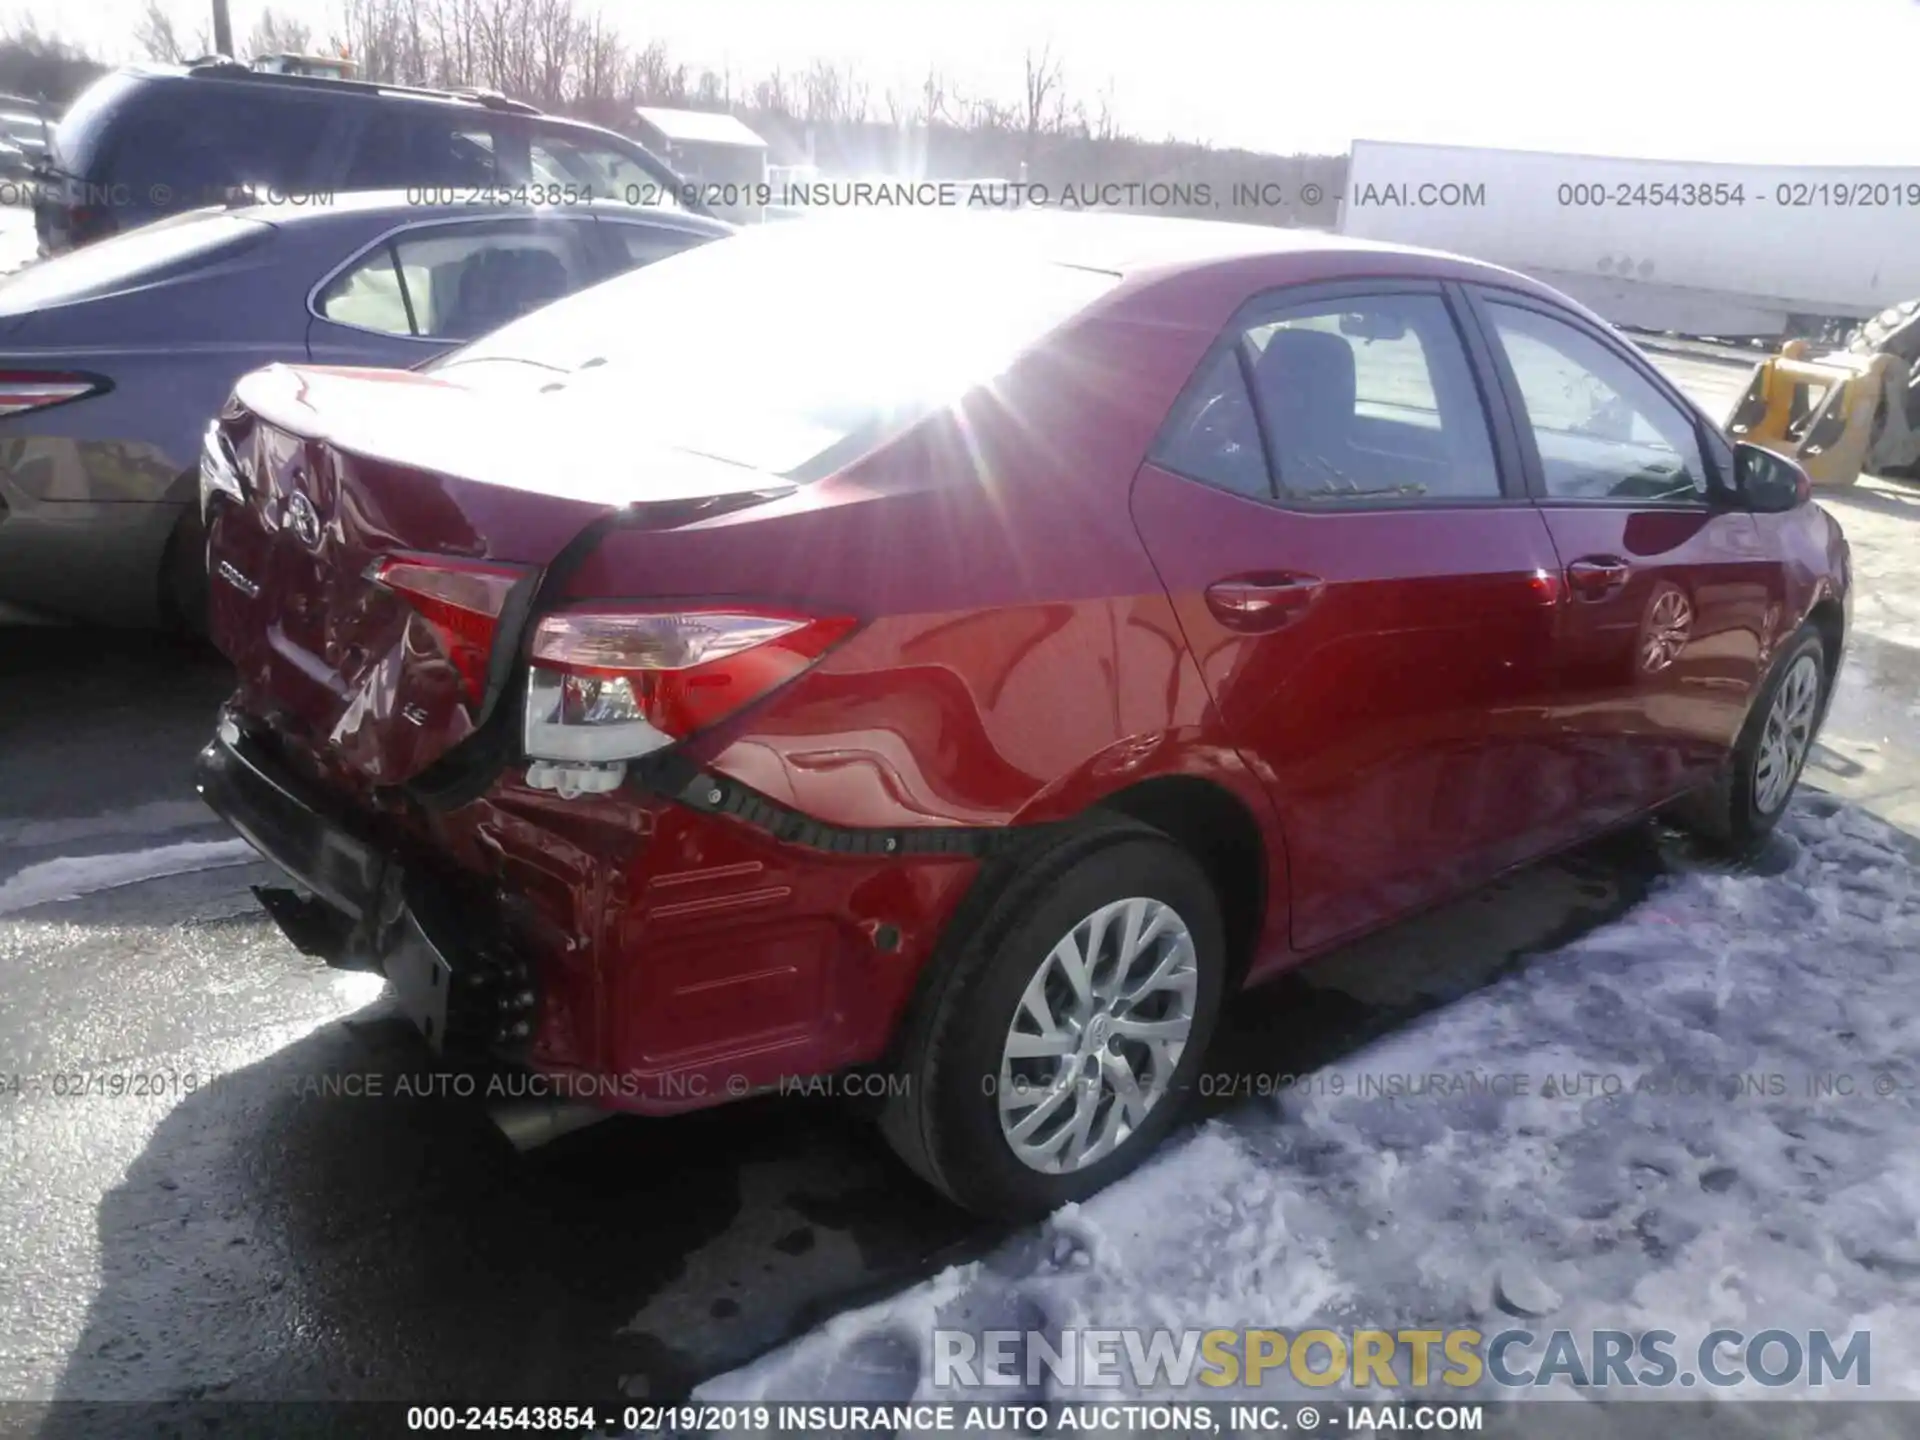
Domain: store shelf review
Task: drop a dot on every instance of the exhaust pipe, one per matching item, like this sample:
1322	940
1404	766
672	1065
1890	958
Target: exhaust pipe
529	1124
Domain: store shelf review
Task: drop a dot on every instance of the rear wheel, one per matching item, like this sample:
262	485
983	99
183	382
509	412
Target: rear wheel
1060	1041
1739	809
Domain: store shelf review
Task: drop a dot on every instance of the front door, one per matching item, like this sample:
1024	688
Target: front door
1372	609
1666	587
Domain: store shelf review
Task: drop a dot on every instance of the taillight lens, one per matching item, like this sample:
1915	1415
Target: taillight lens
615	684
24	390
460	600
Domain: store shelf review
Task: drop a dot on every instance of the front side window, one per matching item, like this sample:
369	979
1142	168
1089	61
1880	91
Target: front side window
453	282
1604	431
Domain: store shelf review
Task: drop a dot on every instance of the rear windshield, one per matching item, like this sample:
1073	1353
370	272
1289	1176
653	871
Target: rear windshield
793	347
76	139
124	261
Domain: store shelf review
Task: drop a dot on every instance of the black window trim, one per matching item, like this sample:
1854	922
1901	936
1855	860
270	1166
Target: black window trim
616	259
1274	304
391	239
1479	295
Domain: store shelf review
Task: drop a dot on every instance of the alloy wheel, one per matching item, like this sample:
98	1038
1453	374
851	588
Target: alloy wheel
1787	736
1097	1035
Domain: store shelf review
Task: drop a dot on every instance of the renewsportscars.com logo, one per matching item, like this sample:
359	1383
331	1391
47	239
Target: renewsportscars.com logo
1155	1360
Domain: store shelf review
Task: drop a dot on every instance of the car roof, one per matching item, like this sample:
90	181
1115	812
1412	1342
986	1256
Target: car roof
403	205
216	70
1127	244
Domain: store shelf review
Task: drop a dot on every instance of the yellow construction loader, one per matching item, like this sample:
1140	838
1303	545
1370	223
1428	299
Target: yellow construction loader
1845	411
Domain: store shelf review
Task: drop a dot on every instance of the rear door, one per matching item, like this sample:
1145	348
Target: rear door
1666	585
427	287
1368	593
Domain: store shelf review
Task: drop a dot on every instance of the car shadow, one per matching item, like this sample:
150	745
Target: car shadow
314	1226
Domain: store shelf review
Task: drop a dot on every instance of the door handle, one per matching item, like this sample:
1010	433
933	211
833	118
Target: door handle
1263	601
1594	577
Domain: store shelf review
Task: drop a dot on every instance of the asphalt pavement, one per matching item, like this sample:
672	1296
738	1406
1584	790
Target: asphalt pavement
237	1177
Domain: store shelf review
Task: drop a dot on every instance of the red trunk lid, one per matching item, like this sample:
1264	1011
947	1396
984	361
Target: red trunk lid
342	469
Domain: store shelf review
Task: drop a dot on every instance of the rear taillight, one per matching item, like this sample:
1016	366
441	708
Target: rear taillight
614	684
460	600
24	390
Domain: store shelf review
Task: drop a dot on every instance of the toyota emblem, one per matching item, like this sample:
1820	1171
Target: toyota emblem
303	520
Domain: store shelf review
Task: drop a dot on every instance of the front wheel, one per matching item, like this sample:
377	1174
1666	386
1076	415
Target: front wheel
1739	809
1058	1047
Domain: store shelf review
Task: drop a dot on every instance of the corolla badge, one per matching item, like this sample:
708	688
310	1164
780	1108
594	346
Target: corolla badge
303	520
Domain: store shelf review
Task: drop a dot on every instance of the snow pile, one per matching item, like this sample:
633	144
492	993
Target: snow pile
74	876
1710	1118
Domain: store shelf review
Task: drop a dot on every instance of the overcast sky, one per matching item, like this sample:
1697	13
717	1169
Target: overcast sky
1683	79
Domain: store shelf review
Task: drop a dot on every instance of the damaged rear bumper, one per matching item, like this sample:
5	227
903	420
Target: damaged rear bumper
382	917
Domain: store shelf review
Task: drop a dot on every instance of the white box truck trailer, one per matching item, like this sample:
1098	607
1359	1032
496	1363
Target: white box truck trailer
1694	248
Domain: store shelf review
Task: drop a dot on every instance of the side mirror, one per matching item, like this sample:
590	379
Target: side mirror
1766	482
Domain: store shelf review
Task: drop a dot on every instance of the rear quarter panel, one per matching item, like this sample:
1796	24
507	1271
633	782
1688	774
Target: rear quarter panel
1015	635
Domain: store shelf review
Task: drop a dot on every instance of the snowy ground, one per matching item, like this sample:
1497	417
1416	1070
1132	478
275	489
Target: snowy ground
1693	1197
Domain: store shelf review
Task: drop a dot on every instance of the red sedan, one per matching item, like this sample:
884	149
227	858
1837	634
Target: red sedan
966	649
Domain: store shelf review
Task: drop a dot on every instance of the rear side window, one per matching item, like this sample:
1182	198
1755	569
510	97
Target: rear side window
1357	399
188	144
135	258
407	143
455	282
1213	436
77	138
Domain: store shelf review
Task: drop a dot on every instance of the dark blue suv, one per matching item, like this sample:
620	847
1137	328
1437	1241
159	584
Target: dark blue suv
151	140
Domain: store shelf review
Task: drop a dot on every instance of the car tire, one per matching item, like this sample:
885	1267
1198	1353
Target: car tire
1737	812
1112	879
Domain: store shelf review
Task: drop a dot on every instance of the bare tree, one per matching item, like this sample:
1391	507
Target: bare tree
933	98
1044	107
275	34
773	95
155	35
41	66
1102	126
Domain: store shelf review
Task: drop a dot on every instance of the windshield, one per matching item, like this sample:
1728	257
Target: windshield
118	263
790	349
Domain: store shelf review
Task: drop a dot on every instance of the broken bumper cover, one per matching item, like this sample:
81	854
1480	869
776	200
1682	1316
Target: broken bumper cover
289	824
469	997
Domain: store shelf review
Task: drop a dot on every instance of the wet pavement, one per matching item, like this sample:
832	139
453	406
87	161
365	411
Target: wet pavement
218	1217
